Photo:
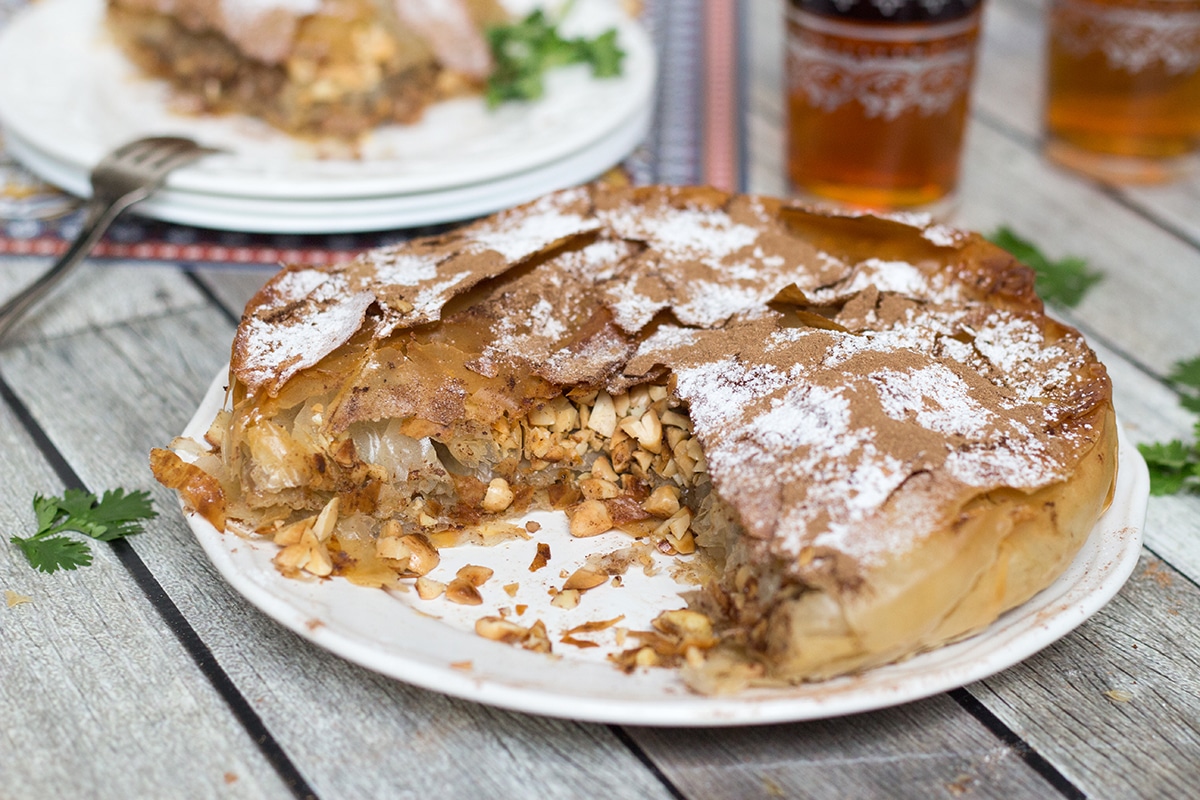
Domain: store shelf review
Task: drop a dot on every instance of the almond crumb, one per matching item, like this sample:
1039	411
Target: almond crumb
12	598
511	589
463	592
541	558
567	598
475	574
584	579
427	588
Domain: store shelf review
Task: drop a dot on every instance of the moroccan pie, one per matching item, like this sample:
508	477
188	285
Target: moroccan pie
318	68
867	432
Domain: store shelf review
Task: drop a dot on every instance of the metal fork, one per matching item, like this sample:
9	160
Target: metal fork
128	175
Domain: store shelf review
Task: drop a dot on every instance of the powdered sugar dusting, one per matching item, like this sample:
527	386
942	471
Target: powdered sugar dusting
428	302
935	398
403	269
295	285
632	308
944	236
709	303
520	234
900	277
693	234
318	321
720	391
665	339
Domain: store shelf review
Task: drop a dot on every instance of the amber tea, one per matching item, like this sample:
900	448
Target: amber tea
1123	86
877	108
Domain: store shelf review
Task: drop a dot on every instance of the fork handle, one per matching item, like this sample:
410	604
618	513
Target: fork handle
99	215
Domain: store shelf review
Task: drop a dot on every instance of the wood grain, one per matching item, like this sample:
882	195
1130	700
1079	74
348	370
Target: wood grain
93	682
129	290
1124	691
927	749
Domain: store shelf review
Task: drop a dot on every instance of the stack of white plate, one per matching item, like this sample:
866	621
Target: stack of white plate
67	96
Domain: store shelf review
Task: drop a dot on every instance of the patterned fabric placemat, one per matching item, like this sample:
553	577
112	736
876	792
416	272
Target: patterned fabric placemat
37	219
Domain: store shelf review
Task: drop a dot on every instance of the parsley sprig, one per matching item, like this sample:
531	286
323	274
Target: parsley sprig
1063	282
113	516
525	50
1175	465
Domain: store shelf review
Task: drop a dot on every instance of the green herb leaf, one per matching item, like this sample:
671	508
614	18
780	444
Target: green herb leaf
525	50
1063	282
1174	466
114	515
1174	455
1186	373
54	553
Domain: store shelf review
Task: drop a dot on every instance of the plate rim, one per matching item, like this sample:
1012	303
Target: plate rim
356	215
887	686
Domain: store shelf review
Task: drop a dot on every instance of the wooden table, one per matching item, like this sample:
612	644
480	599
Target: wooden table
145	675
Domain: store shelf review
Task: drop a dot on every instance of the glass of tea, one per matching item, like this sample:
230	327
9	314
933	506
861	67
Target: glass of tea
878	93
1123	87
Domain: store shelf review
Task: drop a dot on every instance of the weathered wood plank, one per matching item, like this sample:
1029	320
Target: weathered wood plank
1116	705
233	288
928	749
92	678
1009	86
351	732
142	289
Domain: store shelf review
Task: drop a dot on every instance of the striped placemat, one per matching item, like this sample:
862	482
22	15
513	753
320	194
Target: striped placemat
694	139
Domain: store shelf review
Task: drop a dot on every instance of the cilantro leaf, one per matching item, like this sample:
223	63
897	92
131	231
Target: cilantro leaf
114	515
1174	466
1063	282
1186	373
49	555
1173	455
525	50
1185	376
46	511
604	55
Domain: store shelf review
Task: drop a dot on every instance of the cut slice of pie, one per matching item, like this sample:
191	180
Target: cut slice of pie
318	68
867	432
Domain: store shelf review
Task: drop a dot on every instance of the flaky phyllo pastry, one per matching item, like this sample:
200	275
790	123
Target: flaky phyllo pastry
868	433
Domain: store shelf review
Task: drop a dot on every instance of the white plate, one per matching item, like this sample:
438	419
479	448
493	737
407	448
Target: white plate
402	637
65	86
350	215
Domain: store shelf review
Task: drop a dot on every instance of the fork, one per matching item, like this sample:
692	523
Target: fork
126	176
